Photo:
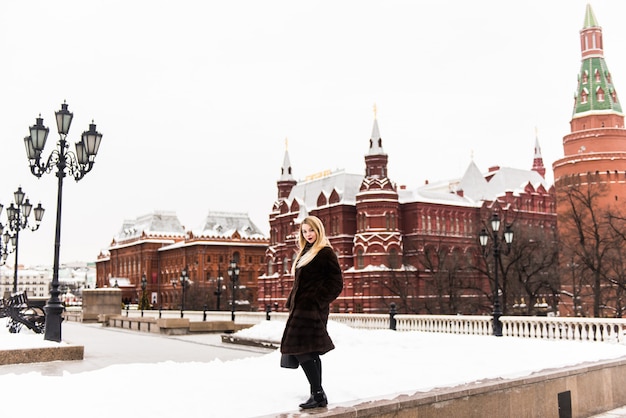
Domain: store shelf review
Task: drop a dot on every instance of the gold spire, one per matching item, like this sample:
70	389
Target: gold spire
286	144
375	110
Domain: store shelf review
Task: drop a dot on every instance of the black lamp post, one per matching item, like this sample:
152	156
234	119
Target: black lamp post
495	237
18	218
144	284
218	290
184	279
5	249
233	273
66	162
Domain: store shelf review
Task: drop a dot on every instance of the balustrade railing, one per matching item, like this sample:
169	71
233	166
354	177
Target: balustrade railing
541	327
564	328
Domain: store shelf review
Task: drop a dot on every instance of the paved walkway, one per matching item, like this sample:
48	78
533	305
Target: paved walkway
106	346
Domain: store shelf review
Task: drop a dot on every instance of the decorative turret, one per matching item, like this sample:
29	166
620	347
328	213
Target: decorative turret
376	159
597	142
378	240
286	182
538	159
596	103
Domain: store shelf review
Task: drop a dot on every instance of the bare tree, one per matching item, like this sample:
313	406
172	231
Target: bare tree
532	275
592	237
449	281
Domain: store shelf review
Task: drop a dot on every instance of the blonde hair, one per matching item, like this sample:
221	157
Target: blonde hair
322	241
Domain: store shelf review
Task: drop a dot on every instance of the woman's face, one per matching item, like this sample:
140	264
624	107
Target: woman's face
308	233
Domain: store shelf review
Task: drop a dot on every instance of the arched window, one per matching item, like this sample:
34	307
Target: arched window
359	259
393	258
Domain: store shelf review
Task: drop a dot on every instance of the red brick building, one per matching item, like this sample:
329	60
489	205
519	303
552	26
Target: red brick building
157	245
381	232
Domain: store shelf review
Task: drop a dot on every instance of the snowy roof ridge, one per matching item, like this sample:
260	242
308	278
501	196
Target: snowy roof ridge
157	224
306	192
219	224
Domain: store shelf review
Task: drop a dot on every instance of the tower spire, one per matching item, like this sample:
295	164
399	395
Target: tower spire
538	159
286	181
596	94
376	142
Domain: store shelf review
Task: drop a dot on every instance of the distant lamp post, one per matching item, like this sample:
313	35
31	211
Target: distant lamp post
17	219
184	280
5	249
233	273
218	290
66	162
144	284
484	240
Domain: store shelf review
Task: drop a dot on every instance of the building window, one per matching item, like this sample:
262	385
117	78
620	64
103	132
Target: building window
393	258
359	259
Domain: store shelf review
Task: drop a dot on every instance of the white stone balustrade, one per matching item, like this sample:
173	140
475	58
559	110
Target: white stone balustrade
541	327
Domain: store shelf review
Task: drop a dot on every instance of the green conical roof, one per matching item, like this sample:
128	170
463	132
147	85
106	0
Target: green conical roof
590	18
595	92
595	88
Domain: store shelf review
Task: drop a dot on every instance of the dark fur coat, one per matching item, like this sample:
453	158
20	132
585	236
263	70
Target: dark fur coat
316	285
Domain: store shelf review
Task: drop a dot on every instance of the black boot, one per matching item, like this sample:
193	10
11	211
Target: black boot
312	370
317	400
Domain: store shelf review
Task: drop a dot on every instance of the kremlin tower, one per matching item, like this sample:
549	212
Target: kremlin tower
595	149
590	185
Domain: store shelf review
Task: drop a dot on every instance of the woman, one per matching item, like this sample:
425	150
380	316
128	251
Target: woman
317	283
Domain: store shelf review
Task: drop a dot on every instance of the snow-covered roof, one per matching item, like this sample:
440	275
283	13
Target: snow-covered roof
225	224
157	223
474	187
306	192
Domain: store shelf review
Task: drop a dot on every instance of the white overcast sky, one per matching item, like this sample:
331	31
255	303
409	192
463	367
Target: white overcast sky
195	98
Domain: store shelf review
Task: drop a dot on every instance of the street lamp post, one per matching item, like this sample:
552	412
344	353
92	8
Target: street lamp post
17	219
5	249
184	279
66	162
233	273
495	237
218	290
144	284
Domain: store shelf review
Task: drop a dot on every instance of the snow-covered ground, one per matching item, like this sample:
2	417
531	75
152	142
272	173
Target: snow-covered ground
366	364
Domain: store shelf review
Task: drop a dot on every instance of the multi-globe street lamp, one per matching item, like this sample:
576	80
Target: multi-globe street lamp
484	240
5	247
18	215
184	281
233	273
66	162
